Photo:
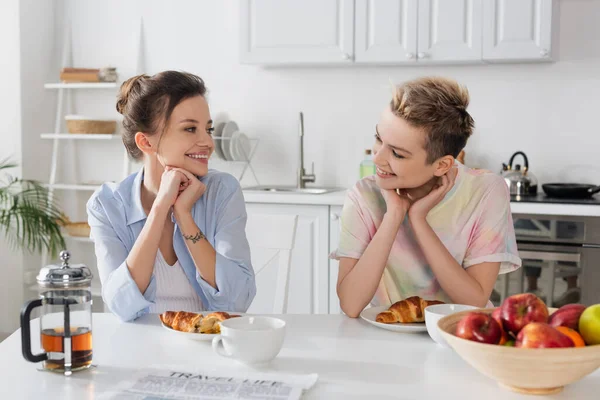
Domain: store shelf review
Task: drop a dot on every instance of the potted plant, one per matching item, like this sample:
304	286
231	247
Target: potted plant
28	218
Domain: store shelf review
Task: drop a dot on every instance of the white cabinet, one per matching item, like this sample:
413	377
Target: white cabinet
518	29
400	32
449	30
335	213
296	32
386	31
309	280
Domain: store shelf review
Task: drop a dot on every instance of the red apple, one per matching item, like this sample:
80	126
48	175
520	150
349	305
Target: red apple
521	309
497	315
537	335
479	327
567	315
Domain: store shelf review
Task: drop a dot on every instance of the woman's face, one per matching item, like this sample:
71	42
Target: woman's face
399	154
187	142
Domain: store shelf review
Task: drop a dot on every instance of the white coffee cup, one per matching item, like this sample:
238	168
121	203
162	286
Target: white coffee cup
250	340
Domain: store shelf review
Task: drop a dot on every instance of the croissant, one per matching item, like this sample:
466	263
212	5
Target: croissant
210	323
408	310
181	320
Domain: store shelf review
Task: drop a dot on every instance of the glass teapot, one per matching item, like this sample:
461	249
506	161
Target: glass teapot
66	318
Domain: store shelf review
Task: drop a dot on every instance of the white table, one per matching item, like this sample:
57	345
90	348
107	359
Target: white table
354	360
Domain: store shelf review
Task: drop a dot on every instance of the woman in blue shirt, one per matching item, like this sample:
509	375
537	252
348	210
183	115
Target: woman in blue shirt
172	236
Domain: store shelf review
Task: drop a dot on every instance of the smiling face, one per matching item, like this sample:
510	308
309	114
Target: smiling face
399	154
186	141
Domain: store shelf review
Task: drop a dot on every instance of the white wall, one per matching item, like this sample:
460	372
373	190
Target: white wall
27	48
10	139
548	111
39	60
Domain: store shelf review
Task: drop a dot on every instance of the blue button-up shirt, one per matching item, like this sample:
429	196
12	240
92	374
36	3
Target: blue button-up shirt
116	218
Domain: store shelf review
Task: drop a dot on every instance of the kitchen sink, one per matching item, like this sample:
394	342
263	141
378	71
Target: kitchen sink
292	189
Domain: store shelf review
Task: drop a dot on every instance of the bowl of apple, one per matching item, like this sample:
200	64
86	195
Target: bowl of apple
524	345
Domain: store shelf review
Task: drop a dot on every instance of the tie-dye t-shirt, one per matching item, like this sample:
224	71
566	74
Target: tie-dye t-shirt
473	221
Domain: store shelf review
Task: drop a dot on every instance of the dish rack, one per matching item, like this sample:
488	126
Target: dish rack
245	162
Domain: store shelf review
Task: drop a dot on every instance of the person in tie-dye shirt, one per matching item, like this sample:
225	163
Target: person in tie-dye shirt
425	224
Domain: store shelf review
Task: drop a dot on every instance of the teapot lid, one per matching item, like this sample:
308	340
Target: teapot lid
64	276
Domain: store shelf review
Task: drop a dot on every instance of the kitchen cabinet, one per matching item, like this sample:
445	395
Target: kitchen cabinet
449	30
518	29
335	214
398	32
296	32
309	275
386	31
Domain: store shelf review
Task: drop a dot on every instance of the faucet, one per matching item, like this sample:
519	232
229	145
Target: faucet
302	176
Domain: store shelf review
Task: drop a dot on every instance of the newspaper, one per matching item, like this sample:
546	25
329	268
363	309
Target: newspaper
159	384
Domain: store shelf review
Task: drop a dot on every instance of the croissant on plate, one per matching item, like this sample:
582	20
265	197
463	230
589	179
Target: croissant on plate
181	320
411	309
193	322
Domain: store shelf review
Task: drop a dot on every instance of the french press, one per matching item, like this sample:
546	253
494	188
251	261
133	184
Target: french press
65	298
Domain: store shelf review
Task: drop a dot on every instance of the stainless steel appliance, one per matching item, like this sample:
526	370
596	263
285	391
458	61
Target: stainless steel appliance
561	256
520	181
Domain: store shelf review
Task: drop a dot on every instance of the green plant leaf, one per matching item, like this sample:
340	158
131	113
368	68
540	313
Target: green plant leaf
29	219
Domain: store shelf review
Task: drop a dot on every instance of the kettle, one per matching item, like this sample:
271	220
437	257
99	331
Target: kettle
65	299
520	181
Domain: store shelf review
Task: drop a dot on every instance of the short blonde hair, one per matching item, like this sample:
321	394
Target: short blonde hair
439	107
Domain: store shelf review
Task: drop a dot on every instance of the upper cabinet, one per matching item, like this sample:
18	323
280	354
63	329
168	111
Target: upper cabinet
449	30
399	32
297	32
517	29
386	31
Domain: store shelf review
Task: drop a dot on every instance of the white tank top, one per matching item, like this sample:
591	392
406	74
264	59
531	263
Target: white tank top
173	289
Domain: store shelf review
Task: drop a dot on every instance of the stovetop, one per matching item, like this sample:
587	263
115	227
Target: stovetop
542	198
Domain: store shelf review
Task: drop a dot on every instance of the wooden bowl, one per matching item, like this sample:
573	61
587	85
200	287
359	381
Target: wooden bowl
529	371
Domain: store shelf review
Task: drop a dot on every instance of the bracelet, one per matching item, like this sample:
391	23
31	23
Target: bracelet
195	238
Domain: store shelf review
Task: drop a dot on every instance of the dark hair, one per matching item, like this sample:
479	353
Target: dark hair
439	106
147	102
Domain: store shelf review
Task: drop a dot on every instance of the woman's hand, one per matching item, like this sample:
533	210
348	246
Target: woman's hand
172	183
420	208
397	203
191	191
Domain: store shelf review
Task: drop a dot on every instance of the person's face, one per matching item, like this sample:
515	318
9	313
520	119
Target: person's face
186	142
399	154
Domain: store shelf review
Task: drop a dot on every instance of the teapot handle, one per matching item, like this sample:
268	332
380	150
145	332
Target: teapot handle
26	332
510	163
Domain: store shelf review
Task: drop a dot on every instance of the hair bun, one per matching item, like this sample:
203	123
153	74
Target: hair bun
131	87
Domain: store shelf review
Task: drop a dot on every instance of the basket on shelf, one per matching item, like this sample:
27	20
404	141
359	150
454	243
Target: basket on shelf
82	124
79	229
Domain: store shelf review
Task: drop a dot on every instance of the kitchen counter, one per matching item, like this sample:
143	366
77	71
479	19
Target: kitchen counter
331	199
582	210
337	199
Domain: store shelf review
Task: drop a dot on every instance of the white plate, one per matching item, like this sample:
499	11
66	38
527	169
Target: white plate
217	134
242	147
230	128
219	122
370	314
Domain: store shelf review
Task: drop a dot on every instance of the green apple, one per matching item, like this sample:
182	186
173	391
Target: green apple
589	325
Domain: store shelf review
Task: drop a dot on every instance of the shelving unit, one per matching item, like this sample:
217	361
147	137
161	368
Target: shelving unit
82	85
60	137
79	136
